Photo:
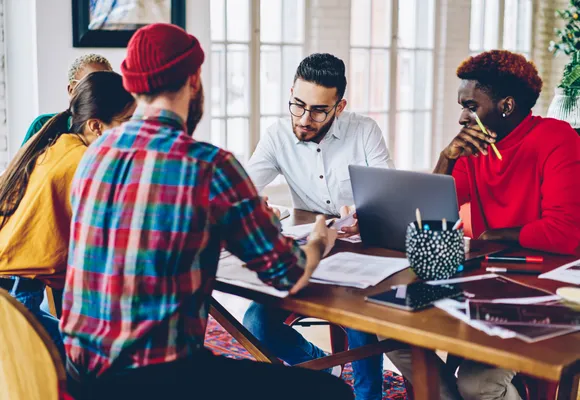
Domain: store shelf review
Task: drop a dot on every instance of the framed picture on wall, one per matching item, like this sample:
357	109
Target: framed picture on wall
111	23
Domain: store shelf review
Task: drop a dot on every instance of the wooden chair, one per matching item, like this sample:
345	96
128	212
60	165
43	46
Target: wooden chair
30	366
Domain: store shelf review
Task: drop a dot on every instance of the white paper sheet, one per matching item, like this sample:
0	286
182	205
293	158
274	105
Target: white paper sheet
284	211
231	270
298	231
352	239
357	270
569	273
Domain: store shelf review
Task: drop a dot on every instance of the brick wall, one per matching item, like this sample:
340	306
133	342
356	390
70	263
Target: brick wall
453	48
329	28
549	67
4	156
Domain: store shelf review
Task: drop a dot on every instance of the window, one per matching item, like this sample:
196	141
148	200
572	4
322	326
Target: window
256	47
391	63
517	31
281	47
501	24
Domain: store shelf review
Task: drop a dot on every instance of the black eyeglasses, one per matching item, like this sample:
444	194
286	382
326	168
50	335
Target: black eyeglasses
316	115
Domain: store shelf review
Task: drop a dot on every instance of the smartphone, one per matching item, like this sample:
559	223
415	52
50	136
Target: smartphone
416	296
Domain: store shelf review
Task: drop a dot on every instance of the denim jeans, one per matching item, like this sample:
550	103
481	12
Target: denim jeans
267	324
32	301
57	296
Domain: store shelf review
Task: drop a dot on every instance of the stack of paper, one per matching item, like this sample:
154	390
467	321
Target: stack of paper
357	270
232	270
529	334
342	269
301	232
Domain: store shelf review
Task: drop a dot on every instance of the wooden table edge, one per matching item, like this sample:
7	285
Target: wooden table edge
437	342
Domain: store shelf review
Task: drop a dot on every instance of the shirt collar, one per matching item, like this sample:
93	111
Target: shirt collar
334	131
149	113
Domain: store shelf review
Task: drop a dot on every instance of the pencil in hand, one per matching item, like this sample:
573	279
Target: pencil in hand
495	150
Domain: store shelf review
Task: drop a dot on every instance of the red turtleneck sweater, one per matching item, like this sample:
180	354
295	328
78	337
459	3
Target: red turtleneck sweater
535	187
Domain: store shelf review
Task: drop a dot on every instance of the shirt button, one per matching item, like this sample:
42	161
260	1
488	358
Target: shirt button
327	201
321	177
318	150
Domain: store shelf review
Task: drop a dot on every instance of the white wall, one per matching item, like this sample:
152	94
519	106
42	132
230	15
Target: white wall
40	51
21	82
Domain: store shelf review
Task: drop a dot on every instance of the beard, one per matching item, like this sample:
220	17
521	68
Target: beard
195	111
318	135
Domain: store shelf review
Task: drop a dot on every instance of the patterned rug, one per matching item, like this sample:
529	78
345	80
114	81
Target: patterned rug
220	342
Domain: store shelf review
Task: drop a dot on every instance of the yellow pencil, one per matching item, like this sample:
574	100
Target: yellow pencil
495	150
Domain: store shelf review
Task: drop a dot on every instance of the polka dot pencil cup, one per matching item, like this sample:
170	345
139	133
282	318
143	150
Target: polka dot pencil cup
434	253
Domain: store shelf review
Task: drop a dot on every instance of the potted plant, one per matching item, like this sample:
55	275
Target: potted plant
566	103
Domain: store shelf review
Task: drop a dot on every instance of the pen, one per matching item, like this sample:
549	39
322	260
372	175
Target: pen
513	271
457	224
330	224
532	260
495	150
418	215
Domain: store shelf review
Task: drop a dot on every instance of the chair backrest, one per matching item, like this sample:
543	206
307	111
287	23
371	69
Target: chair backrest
30	366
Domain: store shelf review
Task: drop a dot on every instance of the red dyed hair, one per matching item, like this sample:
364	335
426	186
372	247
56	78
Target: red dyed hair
503	74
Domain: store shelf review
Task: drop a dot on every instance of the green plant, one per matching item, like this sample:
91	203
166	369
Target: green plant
569	44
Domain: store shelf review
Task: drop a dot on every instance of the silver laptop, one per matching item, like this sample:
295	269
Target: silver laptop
386	200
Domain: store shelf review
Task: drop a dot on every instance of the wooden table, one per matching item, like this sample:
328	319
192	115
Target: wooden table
556	359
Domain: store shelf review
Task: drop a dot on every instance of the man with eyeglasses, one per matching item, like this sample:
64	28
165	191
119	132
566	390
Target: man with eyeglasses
312	150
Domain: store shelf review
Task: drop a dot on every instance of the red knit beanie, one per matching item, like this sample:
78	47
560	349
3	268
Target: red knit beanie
158	56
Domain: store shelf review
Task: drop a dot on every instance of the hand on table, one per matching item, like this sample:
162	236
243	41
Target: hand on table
348	231
319	244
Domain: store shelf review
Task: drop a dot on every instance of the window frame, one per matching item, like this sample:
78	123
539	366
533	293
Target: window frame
502	4
254	43
393	109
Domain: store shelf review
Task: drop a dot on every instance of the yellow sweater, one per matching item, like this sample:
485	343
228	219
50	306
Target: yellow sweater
34	241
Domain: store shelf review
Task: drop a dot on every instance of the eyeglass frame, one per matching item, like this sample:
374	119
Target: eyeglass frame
290	104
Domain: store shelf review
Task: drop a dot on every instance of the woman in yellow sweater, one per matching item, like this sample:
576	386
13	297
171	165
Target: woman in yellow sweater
35	210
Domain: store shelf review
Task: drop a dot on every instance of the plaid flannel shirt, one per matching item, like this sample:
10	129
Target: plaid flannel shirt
152	208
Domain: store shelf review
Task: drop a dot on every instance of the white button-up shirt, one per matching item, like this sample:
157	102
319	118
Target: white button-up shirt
318	173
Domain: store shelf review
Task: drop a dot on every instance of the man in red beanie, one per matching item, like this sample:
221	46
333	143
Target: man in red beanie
151	210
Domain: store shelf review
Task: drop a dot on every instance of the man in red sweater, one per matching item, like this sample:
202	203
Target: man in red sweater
529	197
532	195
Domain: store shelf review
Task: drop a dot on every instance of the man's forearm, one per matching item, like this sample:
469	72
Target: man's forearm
511	235
444	165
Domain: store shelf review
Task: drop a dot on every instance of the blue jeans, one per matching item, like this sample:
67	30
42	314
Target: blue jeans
267	324
32	301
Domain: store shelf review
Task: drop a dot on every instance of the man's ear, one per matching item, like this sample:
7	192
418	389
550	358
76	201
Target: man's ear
340	107
69	88
195	80
506	106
